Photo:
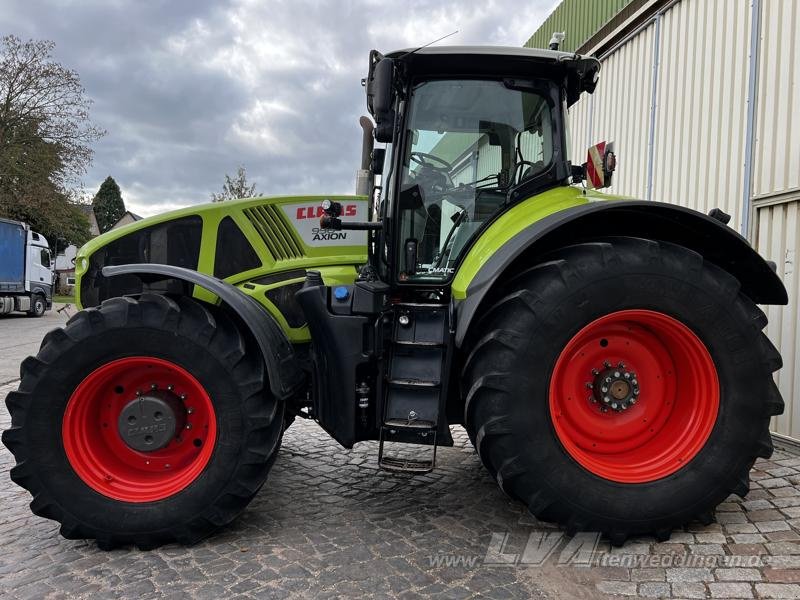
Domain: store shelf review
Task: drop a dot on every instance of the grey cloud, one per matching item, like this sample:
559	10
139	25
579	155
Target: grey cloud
189	90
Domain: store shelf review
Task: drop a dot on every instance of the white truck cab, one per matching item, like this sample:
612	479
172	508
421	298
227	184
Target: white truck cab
26	270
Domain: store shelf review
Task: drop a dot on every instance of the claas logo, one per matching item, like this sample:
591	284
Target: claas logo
315	212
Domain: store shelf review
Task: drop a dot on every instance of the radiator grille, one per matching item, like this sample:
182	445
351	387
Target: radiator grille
275	231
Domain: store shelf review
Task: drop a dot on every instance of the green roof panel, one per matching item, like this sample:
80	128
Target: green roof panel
579	19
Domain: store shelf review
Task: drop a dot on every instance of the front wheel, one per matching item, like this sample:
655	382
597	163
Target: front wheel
144	421
38	306
623	387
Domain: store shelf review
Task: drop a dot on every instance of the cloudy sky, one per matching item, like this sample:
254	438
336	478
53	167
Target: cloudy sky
190	89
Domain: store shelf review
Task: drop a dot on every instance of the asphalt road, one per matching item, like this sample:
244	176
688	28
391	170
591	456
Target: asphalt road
20	336
328	524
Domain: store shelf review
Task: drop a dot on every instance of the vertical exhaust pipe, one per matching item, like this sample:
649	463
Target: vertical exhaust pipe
364	174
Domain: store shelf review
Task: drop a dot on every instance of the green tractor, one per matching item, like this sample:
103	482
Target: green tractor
605	355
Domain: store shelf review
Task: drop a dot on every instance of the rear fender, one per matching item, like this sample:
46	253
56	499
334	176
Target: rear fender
285	375
592	221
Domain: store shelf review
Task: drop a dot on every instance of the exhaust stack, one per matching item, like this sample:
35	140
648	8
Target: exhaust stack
364	174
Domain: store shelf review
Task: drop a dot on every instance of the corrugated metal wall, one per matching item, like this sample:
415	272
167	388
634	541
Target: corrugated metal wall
778	238
579	125
777	156
776	187
621	111
700	111
701	107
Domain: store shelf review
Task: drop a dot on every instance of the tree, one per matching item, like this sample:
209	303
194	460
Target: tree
34	89
235	188
108	205
56	216
45	134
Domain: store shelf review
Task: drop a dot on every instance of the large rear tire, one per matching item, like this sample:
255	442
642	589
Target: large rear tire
84	456
623	387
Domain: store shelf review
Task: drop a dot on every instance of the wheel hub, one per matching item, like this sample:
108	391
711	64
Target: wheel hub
616	388
150	421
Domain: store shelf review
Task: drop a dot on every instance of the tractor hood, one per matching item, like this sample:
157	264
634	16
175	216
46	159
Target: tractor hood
235	240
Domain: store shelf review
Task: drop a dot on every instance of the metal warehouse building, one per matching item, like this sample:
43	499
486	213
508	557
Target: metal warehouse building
701	100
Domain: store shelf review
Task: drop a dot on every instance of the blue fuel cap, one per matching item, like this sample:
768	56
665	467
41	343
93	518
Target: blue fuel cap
341	293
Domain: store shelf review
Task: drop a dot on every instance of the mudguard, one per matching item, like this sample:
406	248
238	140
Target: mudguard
709	237
285	376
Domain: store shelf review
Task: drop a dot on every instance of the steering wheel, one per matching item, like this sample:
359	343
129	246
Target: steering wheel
424	159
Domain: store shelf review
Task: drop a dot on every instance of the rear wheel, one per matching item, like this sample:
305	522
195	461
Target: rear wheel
622	387
144	421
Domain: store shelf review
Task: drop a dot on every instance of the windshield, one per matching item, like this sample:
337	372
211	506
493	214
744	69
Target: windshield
468	143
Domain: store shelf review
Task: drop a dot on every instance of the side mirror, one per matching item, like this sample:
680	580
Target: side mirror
600	165
380	95
378	158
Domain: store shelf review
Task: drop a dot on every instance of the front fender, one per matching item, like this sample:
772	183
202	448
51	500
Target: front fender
285	376
592	221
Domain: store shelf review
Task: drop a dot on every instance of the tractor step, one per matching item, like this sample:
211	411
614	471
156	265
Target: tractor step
405	433
415	388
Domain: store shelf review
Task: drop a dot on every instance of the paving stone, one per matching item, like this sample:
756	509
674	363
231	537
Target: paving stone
768	526
618	588
730	590
748	538
685	575
778	590
782	575
648	574
737	574
711	537
654	590
688	590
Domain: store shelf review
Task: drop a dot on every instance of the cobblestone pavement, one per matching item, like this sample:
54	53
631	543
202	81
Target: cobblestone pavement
329	524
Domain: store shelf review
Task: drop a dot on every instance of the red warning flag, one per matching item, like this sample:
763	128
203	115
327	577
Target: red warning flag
594	165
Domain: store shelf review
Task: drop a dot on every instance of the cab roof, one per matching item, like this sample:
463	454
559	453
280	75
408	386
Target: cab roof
578	72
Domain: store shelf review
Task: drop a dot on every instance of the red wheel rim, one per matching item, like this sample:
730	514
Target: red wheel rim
672	414
105	462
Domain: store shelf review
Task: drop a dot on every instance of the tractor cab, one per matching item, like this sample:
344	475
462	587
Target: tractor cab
469	131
